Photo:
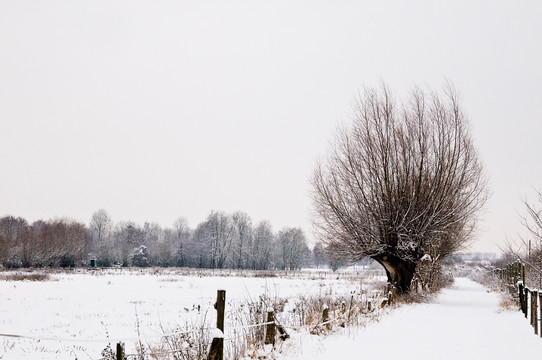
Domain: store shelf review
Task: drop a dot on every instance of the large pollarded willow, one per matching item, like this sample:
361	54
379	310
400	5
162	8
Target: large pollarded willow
404	180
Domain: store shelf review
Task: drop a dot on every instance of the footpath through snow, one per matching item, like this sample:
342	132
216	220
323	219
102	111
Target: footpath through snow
464	322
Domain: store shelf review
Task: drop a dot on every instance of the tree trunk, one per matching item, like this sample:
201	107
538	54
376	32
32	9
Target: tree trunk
399	272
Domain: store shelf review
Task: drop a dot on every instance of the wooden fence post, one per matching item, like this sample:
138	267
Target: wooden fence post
391	294
540	296
220	307
534	310
120	351
325	317
217	349
520	296
526	297
270	331
217	346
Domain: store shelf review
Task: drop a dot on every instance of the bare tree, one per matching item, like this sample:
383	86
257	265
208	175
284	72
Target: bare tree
529	248
262	246
404	180
243	242
100	225
128	235
292	248
213	240
319	255
182	237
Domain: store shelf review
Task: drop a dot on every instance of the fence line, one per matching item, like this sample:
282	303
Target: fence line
530	300
216	349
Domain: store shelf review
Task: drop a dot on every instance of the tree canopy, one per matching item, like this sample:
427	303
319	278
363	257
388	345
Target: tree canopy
402	181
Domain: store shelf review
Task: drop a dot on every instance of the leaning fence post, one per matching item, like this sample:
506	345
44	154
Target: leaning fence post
120	351
217	346
270	331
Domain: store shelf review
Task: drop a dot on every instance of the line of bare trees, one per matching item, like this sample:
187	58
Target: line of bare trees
52	243
221	241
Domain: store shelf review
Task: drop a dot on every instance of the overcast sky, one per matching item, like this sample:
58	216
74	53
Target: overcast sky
153	110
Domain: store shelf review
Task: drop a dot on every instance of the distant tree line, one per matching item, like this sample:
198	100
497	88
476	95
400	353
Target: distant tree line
220	241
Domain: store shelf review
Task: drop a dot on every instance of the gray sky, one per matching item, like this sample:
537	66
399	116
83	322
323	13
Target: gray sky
154	110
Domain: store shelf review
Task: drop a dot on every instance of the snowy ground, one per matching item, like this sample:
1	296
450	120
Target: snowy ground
75	315
464	322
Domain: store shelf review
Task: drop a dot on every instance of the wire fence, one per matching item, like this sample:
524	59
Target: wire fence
529	299
213	348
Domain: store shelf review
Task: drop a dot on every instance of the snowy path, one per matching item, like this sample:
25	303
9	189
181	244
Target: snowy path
464	322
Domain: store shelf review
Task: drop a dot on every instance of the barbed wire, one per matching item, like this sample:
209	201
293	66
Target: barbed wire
251	326
161	336
108	339
124	339
303	327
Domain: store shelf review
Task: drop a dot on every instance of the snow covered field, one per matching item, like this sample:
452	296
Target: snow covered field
76	314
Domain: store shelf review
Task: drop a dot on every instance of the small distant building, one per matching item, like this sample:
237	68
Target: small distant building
92	260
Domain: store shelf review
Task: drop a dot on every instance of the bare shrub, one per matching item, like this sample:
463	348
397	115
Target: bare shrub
183	343
265	274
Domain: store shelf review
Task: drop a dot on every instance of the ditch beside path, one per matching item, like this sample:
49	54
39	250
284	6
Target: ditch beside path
464	322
